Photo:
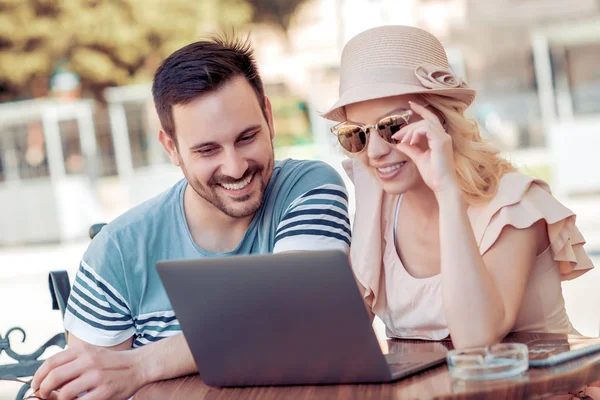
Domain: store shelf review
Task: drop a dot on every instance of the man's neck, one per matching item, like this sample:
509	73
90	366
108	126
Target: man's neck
211	229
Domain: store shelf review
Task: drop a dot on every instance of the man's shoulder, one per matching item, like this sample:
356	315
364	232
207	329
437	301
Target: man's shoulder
294	179
312	172
311	209
147	214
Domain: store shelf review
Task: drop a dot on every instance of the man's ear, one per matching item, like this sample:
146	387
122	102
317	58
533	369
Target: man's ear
170	146
269	114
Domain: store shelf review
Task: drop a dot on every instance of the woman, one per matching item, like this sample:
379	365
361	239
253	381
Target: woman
448	238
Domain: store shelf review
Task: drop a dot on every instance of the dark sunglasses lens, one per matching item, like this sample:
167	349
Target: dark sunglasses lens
387	127
352	138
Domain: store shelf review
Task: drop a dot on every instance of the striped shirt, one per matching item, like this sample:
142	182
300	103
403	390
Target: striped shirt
117	292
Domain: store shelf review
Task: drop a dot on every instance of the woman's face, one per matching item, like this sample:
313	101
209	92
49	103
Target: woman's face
392	168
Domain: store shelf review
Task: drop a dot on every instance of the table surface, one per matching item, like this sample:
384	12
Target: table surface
433	383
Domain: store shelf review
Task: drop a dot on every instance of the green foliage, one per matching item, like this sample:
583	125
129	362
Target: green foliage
105	42
111	42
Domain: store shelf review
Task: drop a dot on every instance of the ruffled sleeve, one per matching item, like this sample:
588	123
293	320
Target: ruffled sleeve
521	201
366	249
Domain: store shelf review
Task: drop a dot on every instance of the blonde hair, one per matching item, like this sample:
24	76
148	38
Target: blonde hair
479	166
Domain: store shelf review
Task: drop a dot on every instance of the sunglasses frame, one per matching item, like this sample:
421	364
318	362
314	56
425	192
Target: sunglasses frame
405	115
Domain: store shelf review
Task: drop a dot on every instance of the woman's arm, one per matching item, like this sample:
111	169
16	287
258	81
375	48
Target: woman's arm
482	295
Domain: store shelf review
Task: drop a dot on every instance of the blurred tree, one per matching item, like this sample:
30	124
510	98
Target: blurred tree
105	42
279	12
111	42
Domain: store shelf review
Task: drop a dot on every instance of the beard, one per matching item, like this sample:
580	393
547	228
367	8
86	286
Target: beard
234	207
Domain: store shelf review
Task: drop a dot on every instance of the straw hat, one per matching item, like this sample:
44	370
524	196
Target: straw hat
395	60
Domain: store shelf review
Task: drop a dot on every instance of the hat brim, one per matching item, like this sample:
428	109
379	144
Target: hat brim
373	91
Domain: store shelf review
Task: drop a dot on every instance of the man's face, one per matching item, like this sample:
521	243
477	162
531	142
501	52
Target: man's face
224	147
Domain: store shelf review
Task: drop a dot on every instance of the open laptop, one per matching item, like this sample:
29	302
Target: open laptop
280	319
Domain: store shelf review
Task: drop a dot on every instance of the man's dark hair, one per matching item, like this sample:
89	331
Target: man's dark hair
200	68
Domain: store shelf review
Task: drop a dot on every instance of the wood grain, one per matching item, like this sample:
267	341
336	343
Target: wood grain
435	383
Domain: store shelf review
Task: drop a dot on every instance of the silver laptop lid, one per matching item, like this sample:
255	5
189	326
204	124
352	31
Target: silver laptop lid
291	318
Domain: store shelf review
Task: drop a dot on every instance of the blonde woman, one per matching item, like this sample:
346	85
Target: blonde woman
449	239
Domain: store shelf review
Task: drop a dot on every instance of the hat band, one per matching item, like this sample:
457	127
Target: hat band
427	76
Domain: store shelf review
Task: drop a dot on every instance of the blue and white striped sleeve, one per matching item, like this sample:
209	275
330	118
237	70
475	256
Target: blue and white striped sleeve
97	312
316	220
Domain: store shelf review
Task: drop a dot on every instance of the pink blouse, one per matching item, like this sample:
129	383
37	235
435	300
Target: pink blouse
412	307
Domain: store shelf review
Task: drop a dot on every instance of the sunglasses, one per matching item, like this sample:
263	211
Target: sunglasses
354	137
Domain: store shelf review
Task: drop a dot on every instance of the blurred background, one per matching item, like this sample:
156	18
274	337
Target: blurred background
78	130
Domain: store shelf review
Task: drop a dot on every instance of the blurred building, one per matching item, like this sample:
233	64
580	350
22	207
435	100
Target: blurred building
533	62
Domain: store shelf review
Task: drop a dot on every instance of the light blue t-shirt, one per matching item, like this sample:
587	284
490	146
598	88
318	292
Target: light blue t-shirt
117	292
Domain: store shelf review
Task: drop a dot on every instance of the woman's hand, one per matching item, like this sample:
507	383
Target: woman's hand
429	146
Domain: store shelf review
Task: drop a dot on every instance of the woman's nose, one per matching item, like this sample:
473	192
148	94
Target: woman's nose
376	146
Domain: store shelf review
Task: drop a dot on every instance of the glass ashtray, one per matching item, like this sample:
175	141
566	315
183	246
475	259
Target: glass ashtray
498	361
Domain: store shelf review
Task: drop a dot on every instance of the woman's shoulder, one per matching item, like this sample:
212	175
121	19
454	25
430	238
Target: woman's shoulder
513	188
521	201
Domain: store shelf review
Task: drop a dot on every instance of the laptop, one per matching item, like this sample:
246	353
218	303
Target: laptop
281	319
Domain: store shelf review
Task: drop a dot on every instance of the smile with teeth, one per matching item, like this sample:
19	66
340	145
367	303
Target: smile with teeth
239	185
390	168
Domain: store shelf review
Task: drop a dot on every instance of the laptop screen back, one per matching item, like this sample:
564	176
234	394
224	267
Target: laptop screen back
291	318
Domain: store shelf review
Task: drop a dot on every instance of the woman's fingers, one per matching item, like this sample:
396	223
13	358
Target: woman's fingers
427	115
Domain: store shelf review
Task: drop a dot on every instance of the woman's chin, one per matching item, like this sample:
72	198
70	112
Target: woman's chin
396	187
400	184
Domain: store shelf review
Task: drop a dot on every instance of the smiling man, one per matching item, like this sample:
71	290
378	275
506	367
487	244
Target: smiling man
217	126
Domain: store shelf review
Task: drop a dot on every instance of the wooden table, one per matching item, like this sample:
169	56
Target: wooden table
434	383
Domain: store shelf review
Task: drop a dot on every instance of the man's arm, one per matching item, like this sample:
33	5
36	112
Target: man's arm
316	212
316	218
179	361
76	369
99	322
74	341
111	372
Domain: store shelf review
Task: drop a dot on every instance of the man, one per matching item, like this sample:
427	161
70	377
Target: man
217	126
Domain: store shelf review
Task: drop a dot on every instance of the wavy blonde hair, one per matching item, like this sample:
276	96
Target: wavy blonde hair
479	166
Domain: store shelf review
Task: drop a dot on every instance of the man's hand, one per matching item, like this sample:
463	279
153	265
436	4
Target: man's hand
103	373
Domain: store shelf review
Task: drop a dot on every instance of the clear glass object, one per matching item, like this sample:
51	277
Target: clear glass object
499	361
